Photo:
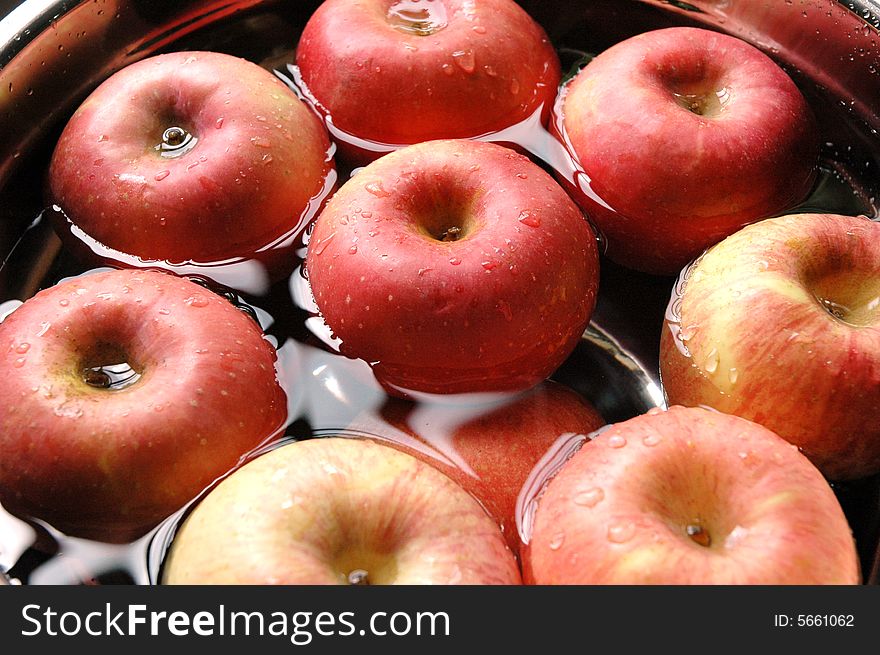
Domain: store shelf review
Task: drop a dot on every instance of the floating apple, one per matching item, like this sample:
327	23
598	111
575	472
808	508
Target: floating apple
190	156
685	135
780	324
454	266
689	496
406	71
490	449
339	511
126	393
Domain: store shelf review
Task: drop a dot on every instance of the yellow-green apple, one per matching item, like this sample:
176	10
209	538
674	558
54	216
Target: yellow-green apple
685	136
338	511
780	323
126	394
490	449
424	69
689	496
454	266
190	156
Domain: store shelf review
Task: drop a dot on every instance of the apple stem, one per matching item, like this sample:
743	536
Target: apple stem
451	234
358	577
176	141
699	535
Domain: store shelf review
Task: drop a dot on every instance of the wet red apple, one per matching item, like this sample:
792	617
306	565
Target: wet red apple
689	496
339	511
391	73
452	267
685	136
190	156
780	324
489	448
126	394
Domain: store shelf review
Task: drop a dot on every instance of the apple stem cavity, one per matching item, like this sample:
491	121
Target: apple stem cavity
418	17
110	376
703	104
359	577
176	141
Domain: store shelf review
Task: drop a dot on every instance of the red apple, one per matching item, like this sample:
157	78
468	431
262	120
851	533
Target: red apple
780	324
685	135
689	496
126	393
400	72
454	266
337	511
190	156
490	449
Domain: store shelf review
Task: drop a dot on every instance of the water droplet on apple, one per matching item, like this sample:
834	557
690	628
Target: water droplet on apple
514	86
687	333
218	123
504	307
161	175
654	411
490	71
102	138
447	68
321	245
465	60
557	541
652	440
616	441
64	302
114	376
19	362
733	375
527	218
489	265
620	533
522	176
196	300
353	250
261	142
376	189
455	261
266	159
712	360
479	29
590	497
23	348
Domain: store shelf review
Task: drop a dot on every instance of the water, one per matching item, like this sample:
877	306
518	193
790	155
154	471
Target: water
330	394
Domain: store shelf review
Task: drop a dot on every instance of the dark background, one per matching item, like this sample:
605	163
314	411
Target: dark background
8	5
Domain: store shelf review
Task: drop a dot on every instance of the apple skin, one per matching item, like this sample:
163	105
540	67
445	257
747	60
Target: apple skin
673	181
311	512
109	464
260	157
618	511
490	67
498	309
756	337
490	450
